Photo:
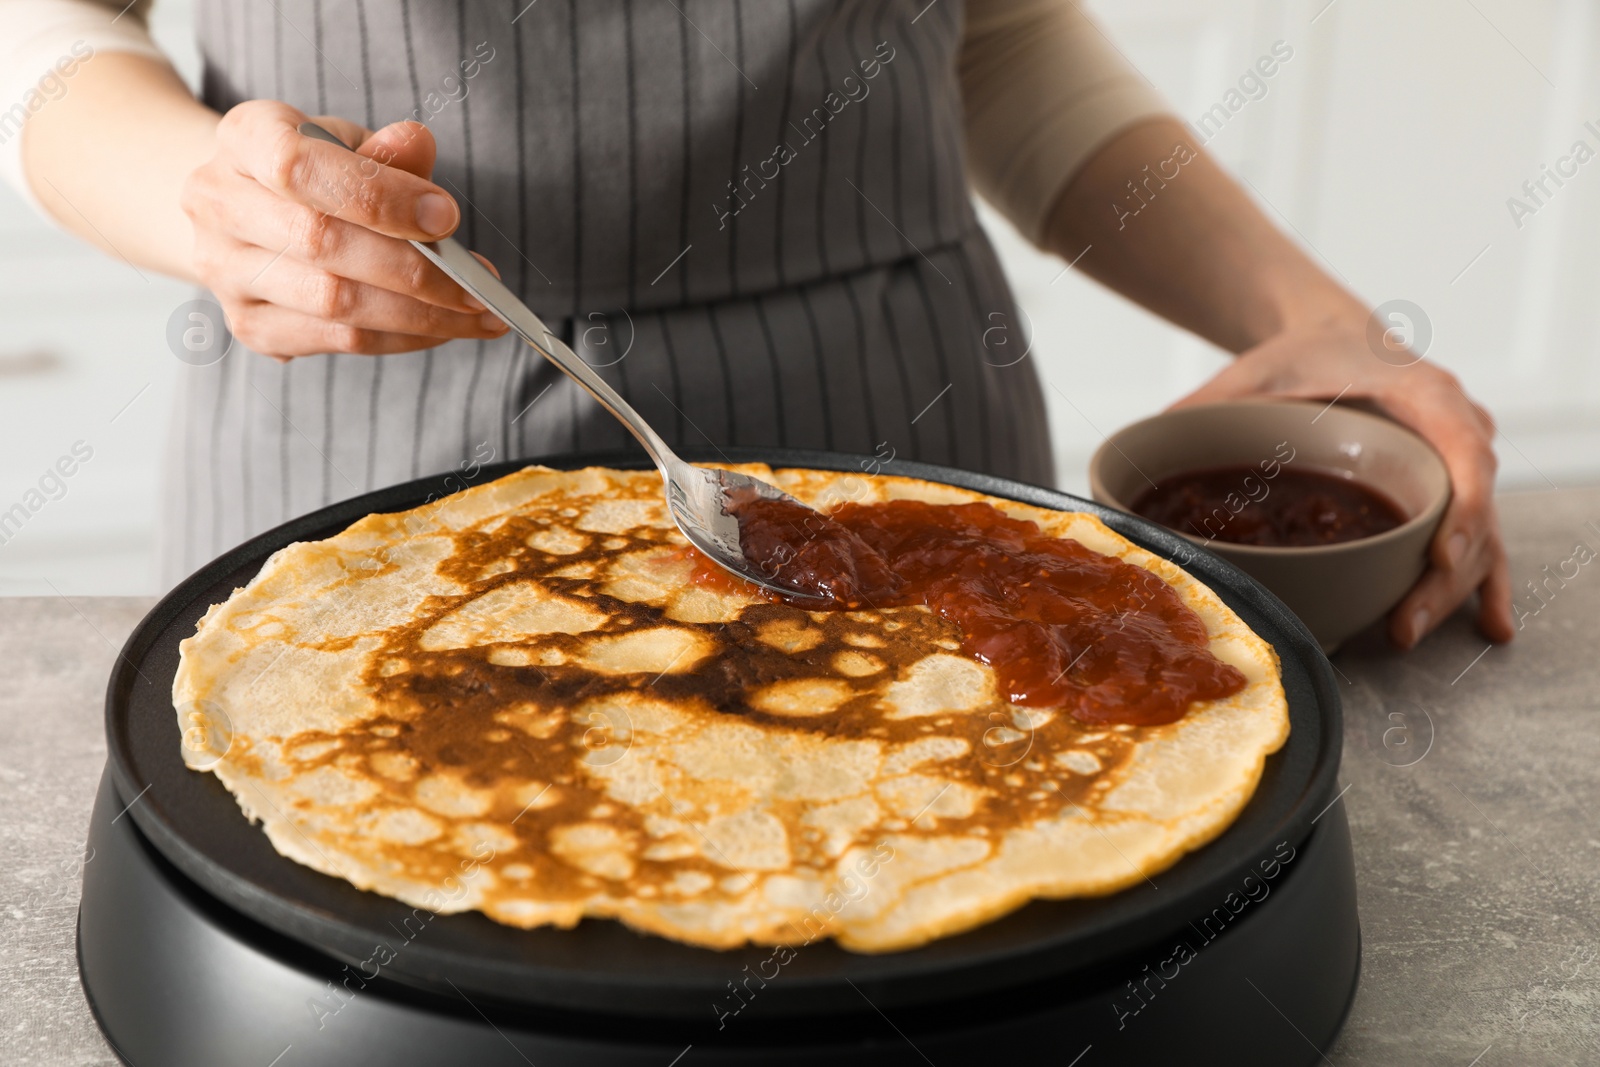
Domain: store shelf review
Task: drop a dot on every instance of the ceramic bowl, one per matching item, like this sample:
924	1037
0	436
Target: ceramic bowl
1336	589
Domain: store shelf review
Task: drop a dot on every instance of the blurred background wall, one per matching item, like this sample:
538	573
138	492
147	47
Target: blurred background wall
1389	143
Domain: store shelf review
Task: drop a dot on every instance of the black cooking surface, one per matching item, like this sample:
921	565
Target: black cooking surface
601	965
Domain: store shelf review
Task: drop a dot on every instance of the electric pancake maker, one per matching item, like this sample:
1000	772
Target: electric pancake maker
200	946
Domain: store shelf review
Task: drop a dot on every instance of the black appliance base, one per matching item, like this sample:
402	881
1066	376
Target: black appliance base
176	979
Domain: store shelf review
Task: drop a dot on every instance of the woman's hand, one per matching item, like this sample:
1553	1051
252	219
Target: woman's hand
304	243
1333	359
1202	254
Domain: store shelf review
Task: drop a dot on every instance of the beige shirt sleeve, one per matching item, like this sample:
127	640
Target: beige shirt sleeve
42	45
1043	89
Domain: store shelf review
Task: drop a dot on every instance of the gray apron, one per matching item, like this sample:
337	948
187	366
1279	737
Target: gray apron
750	216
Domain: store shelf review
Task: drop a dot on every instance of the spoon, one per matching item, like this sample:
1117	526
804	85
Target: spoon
701	500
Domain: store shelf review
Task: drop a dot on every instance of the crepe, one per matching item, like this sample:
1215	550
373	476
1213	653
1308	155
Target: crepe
514	700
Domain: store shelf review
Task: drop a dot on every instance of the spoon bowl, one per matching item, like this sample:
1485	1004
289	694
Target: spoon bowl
703	501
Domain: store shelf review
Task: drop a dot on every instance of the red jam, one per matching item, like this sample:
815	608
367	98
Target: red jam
1061	625
1292	508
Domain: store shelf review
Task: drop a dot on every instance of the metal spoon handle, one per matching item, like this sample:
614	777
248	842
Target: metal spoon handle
464	268
466	271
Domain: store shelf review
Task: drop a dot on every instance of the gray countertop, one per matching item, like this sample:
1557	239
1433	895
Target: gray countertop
1471	776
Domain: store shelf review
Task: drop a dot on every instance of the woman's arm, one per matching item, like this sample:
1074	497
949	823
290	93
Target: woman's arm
1075	148
109	158
1165	226
1168	228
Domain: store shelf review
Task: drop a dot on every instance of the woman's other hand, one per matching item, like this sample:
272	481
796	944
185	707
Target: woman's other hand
1334	359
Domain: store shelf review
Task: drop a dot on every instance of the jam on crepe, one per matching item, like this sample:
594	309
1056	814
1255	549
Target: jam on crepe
1061	625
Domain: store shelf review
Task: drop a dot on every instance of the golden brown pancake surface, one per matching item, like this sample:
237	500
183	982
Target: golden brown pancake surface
513	700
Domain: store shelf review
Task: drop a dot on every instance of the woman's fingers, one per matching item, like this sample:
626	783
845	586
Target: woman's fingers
285	333
301	287
1494	600
492	268
255	216
1442	589
405	145
263	139
1466	552
1428	603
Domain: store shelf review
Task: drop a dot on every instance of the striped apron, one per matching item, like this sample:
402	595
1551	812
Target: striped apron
750	216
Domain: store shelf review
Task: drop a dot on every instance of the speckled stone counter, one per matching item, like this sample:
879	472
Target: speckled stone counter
1471	777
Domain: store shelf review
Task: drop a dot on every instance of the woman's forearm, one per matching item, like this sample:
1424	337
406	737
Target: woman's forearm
109	158
1167	228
